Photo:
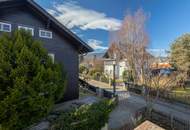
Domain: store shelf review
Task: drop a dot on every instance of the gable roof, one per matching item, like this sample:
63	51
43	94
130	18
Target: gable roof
113	49
81	46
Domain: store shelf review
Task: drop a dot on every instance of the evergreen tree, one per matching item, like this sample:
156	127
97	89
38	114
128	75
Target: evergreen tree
180	54
30	82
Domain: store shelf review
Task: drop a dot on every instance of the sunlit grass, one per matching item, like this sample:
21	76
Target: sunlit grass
182	90
181	94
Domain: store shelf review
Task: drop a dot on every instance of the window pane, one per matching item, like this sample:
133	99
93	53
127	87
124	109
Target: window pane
30	30
0	26
48	34
45	34
6	27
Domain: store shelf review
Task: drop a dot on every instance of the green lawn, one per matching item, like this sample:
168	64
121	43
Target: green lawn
182	91
182	95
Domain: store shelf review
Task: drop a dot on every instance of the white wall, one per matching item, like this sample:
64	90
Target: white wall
119	69
122	68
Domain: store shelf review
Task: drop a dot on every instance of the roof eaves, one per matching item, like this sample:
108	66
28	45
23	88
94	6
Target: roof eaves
83	47
87	47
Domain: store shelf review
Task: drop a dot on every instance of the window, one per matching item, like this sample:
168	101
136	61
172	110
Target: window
111	72
45	34
5	27
29	29
52	56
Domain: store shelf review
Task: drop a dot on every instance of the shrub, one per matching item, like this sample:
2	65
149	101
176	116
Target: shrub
127	76
87	117
103	78
29	81
96	76
124	75
83	69
93	71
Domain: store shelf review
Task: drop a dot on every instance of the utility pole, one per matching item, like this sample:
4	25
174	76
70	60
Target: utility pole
114	85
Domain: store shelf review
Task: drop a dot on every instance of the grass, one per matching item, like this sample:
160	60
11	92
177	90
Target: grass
182	95
182	91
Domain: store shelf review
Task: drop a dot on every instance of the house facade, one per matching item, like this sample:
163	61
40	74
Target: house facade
120	67
120	62
63	46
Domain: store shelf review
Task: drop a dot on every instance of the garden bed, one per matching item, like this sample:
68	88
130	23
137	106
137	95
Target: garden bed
87	112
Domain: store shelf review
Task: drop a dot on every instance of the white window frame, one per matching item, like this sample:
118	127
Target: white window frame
52	56
1	27
45	31
26	28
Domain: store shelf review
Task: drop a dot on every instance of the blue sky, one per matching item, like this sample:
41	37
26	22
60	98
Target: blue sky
92	20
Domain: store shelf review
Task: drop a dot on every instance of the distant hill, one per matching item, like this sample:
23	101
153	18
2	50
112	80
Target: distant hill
98	55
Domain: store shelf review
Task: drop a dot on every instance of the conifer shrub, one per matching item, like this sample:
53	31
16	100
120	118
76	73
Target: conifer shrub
86	117
30	82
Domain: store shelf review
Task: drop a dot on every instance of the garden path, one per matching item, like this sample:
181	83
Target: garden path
129	103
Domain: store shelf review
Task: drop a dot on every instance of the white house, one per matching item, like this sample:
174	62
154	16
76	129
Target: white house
120	67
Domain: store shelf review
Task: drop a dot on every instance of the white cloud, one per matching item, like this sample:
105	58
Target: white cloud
72	15
96	45
158	52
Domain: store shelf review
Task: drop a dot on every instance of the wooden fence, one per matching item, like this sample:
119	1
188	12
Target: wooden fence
164	95
168	121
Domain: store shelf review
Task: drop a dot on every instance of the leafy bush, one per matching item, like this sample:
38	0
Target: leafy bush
29	81
83	69
96	76
87	117
124	75
127	76
92	72
103	78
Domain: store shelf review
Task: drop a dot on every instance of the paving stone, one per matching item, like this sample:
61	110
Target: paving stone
41	126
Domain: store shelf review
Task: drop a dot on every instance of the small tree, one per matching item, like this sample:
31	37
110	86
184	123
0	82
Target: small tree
30	82
155	85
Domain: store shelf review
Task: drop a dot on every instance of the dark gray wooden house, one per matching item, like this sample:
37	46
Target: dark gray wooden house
61	43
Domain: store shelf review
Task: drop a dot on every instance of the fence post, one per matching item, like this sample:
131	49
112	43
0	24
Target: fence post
99	92
171	121
117	99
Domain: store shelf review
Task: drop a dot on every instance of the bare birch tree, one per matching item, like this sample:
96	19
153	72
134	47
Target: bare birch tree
133	41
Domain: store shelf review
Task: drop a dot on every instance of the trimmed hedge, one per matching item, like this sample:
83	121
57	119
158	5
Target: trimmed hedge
87	117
